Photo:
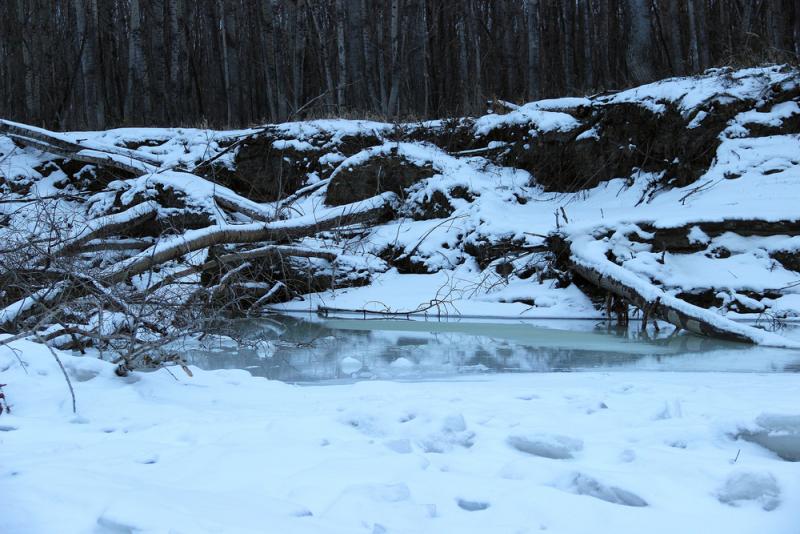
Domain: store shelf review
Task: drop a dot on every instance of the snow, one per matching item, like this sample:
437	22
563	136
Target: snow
225	452
774	117
717	85
531	114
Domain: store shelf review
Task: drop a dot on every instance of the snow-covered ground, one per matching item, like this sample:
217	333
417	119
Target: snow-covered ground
621	452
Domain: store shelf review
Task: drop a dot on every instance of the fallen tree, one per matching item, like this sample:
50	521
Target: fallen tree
131	259
587	257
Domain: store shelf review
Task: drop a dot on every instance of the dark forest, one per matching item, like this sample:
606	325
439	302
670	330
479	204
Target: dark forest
76	64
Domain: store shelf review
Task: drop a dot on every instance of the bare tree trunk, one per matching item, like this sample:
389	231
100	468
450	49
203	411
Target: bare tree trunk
235	86
673	37
341	21
175	8
534	55
796	28
330	90
588	65
368	47
639	48
158	56
425	58
268	56
701	16
394	36
79	6
298	42
694	48
463	64
380	35
226	80
30	98
568	50
137	99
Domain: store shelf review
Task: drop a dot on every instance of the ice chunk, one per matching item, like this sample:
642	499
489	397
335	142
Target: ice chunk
581	484
453	432
440	442
546	445
350	365
401	446
402	363
747	486
454	423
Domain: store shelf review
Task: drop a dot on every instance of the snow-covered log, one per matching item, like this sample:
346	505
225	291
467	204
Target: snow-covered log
588	259
52	142
108	225
286	230
276	251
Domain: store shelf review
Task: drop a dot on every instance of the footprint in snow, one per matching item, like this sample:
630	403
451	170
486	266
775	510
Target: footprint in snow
551	446
472	506
746	486
407	417
581	484
148	460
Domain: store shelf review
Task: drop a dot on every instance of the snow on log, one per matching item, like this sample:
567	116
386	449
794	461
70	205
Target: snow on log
193	240
109	224
588	260
26	134
16	310
260	252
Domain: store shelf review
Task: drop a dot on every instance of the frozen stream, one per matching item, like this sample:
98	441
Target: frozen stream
310	349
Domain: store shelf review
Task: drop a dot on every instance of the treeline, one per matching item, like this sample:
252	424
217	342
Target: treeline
100	63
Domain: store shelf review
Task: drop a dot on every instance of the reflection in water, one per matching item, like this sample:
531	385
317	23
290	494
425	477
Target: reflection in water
295	349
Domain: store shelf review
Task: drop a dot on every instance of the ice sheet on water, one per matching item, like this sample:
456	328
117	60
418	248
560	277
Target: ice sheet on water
777	433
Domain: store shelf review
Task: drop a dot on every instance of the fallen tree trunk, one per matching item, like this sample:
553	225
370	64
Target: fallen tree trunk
286	230
110	224
194	240
587	259
261	252
677	238
157	194
92	157
51	141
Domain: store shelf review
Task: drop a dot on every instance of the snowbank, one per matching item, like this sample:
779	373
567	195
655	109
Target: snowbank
226	452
